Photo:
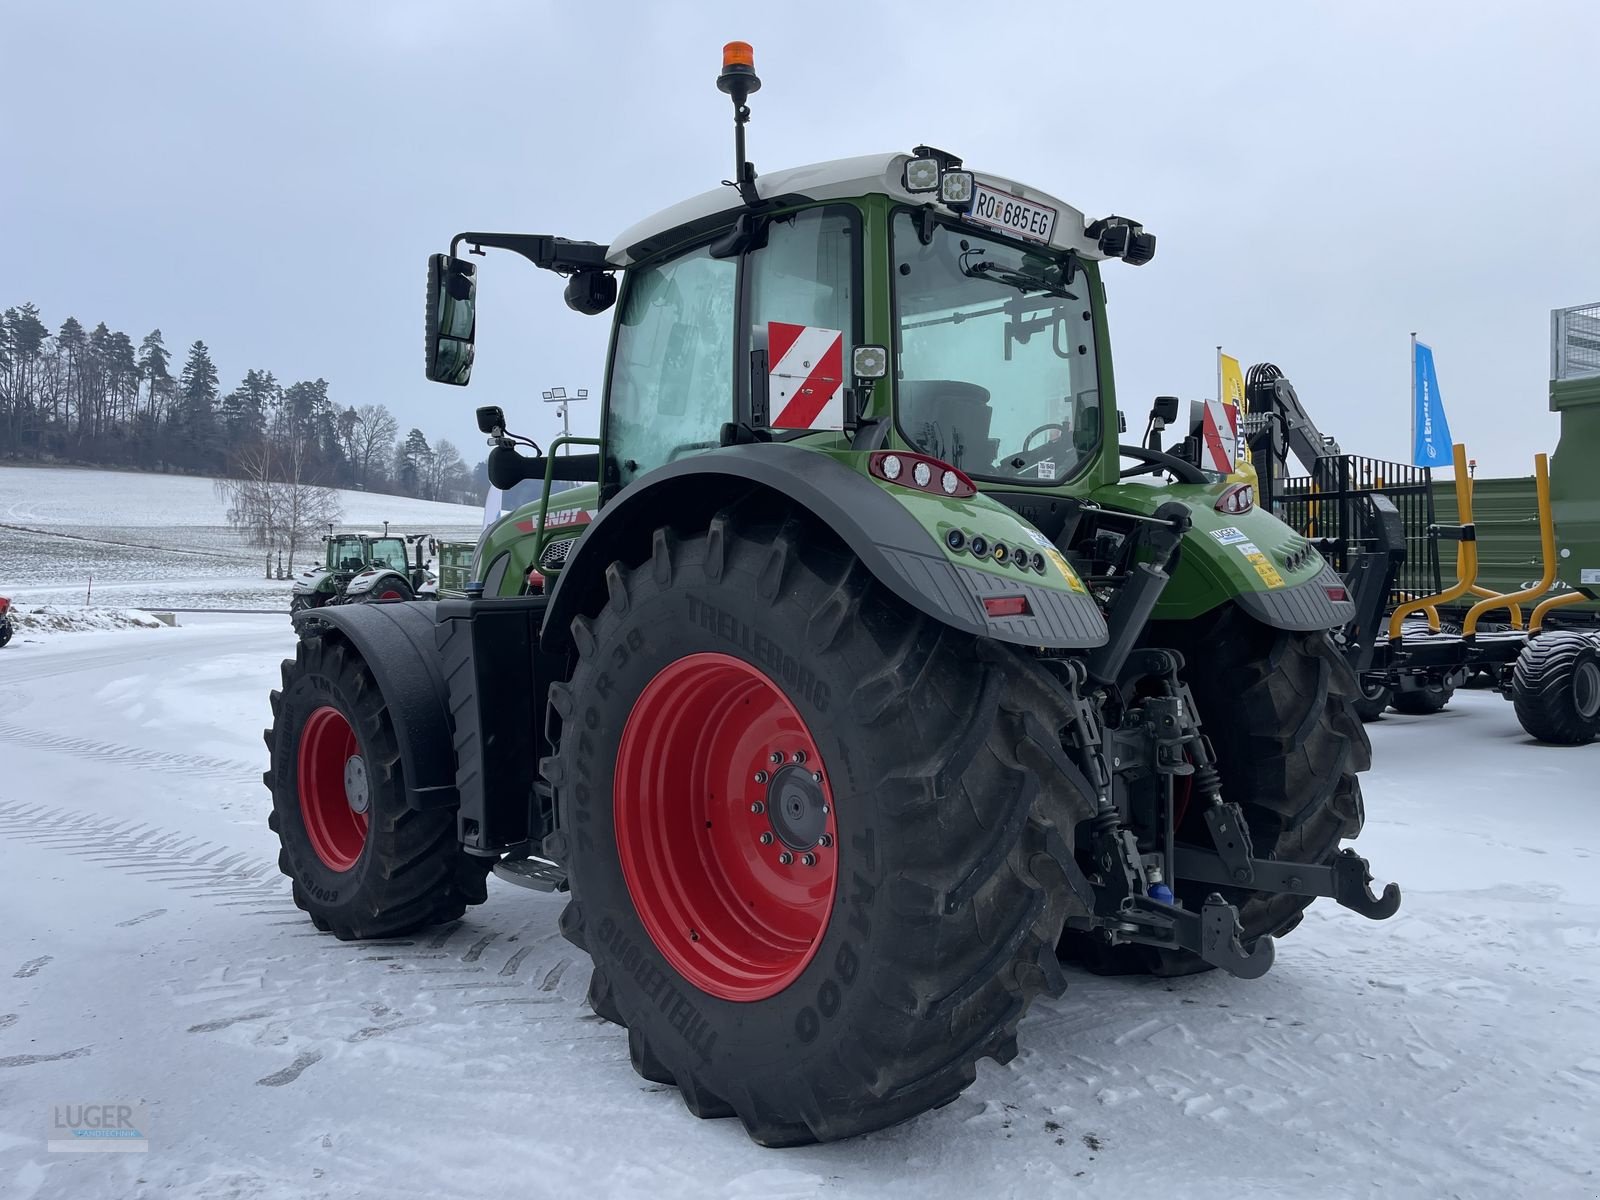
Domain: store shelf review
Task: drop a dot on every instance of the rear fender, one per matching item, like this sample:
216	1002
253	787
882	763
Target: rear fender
896	532
398	644
374	581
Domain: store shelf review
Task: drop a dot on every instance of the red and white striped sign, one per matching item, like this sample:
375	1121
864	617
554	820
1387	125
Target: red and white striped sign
805	376
1219	436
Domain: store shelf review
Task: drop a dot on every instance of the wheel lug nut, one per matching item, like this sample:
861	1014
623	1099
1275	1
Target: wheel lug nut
786	858
766	839
809	860
758	807
816	777
825	840
775	758
799	756
826	810
762	777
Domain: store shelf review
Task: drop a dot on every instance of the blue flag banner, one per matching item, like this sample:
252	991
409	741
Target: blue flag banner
1430	432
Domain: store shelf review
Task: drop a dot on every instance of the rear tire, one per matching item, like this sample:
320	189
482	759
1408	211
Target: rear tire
1279	708
1556	688
952	795
386	591
387	869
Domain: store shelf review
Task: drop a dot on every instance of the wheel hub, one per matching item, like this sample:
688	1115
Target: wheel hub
797	807
355	784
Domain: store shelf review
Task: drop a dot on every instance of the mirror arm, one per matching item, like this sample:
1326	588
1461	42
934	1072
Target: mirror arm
544	251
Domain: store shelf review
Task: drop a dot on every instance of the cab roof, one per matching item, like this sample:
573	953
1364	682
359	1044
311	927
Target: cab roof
840	178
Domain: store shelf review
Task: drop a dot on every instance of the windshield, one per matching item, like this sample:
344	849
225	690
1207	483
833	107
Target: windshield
997	368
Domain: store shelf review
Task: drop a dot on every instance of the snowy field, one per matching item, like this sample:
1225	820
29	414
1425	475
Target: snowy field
74	536
151	955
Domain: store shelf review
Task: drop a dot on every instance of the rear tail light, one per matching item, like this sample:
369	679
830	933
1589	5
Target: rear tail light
1240	498
1007	606
535	581
922	473
1337	594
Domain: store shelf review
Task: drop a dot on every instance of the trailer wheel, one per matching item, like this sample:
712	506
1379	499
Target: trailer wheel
1374	698
808	833
1422	701
1556	688
1279	708
363	864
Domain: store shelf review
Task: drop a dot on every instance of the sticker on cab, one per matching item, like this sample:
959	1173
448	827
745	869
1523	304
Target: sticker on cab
1589	575
1228	535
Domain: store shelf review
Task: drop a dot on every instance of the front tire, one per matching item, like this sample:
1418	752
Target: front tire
1374	698
1556	688
363	863
813	1001
1423	701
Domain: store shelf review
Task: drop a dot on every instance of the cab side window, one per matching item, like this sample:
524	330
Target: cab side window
671	386
801	310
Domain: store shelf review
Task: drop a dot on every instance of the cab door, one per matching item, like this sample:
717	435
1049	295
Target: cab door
671	383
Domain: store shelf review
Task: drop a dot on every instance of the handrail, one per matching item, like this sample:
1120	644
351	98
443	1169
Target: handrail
1466	553
1547	547
1559	600
549	478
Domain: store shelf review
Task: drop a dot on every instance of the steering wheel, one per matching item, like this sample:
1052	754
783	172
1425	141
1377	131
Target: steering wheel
1159	460
1046	428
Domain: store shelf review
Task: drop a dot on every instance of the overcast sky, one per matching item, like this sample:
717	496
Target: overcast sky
1323	179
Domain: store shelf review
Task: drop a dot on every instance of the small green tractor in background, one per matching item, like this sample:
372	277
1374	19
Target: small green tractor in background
360	568
867	681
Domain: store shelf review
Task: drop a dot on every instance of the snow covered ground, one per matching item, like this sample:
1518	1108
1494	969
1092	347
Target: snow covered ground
76	536
150	954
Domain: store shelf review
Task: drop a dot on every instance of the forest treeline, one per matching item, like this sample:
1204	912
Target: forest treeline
95	397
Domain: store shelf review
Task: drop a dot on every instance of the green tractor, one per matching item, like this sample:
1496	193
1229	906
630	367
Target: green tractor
360	568
866	683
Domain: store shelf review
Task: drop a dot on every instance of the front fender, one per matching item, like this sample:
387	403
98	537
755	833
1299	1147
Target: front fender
896	533
398	644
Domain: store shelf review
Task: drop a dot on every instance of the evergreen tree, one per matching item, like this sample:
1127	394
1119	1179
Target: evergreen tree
413	458
198	436
154	362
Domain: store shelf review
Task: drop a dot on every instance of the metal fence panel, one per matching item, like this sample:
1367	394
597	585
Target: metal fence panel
1575	342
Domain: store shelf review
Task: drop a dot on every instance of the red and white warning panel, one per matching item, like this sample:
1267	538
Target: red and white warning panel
805	376
1218	426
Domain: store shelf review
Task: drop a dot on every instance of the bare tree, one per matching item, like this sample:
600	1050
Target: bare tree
274	501
373	432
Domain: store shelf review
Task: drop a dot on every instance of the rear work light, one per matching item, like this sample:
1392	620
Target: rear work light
921	473
1007	606
1240	498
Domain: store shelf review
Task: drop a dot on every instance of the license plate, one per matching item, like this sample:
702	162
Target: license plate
1016	216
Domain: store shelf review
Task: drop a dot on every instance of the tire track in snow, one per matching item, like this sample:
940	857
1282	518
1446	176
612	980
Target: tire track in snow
226	770
141	851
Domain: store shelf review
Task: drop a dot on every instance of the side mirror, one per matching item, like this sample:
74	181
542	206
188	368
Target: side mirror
451	322
491	419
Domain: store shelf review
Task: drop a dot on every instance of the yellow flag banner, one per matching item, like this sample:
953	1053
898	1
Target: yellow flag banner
1230	377
1232	382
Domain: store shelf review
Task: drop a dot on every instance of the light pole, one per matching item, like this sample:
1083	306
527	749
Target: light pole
559	396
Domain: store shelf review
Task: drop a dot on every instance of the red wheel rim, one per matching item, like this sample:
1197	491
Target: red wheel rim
705	818
334	793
